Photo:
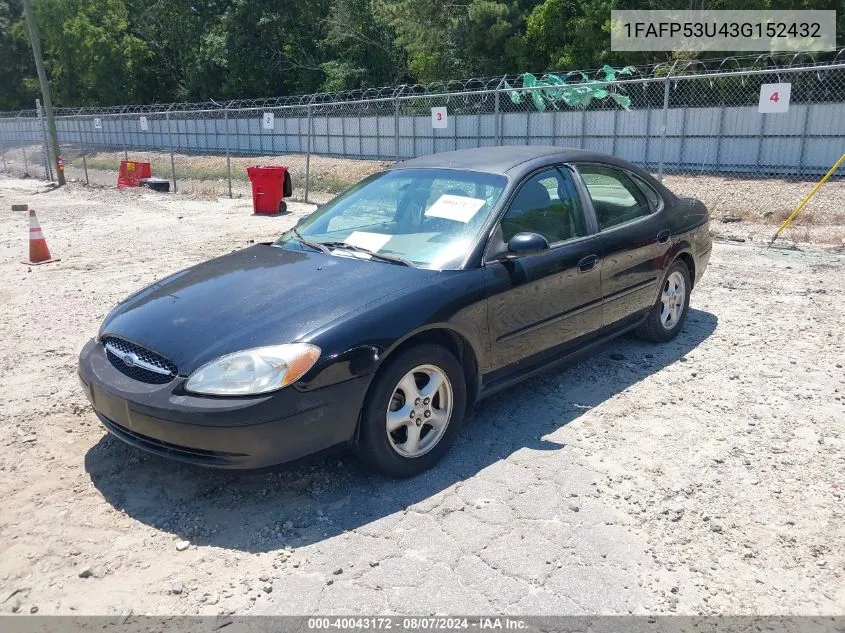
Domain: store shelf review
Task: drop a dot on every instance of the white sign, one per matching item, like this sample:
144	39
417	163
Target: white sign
98	124
774	98
439	118
267	121
458	208
144	125
370	241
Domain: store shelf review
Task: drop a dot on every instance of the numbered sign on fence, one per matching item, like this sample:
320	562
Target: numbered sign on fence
144	125
267	120
774	98
98	124
439	118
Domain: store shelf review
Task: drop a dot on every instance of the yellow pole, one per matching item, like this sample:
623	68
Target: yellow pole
807	199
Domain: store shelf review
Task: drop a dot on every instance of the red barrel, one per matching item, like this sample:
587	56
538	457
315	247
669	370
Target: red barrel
270	184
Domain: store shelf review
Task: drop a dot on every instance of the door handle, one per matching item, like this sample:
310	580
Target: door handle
588	263
664	236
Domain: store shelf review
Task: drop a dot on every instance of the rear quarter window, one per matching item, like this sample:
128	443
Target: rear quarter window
616	198
654	199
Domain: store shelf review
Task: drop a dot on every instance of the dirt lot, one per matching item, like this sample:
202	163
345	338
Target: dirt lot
702	476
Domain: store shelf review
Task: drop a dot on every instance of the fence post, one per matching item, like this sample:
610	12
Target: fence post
478	125
378	133
82	147
48	172
413	130
308	153
497	115
647	137
360	134
396	129
615	125
170	144
763	119
5	169
25	161
718	160
802	152
228	157
528	127
343	132
454	128
583	114
663	125
123	135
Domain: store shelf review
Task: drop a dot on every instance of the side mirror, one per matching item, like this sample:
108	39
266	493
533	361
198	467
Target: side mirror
527	244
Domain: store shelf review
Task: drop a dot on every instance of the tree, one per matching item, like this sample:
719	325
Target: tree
17	72
427	31
359	48
90	55
174	31
567	34
105	52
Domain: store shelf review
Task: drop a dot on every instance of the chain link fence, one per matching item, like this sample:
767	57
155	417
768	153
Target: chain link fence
693	123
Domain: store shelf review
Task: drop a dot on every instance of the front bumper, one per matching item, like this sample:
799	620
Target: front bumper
241	432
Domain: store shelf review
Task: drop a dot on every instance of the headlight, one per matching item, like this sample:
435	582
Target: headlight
254	371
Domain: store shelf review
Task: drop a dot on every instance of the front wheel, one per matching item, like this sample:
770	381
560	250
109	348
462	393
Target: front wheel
413	411
283	207
666	317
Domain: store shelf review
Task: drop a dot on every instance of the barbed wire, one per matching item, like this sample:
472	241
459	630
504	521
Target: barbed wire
680	68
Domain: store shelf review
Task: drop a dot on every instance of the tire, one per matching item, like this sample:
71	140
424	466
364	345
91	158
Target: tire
283	207
396	452
661	326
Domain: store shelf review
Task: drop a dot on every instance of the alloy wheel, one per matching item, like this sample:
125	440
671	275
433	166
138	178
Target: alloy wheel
672	300
419	411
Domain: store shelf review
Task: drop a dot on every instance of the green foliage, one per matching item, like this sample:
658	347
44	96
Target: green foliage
359	47
103	52
17	71
91	56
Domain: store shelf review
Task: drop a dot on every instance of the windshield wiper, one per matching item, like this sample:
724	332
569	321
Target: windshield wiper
393	259
317	246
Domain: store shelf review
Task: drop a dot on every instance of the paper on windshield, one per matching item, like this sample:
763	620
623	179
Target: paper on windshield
458	208
370	241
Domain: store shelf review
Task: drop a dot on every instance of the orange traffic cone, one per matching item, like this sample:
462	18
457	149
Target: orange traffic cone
38	251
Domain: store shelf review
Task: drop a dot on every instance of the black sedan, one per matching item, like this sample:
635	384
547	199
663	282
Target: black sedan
383	316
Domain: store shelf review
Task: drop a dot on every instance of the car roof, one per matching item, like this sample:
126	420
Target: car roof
501	159
516	161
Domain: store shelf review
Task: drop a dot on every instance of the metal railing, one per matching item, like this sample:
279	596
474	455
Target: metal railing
689	118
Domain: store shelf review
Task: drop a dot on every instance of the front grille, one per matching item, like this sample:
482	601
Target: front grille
166	370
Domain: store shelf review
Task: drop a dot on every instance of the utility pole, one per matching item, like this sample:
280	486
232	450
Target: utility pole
35	38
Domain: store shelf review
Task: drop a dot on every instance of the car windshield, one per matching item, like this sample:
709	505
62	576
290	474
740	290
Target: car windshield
426	217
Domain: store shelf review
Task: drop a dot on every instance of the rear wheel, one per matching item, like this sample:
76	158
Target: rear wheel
283	207
413	411
668	314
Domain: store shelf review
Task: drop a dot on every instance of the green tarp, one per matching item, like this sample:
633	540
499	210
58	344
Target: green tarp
551	90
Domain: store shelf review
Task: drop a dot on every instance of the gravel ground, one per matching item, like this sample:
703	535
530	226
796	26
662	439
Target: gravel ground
751	209
701	476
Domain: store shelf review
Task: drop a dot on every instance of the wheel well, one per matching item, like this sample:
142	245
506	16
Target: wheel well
690	264
456	344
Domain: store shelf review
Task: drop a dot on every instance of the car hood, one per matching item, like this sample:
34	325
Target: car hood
263	295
